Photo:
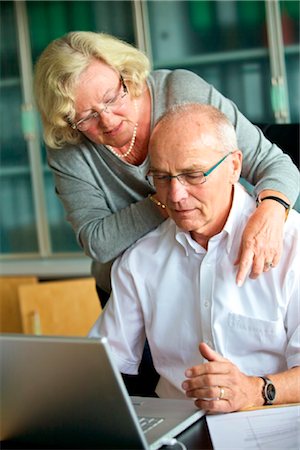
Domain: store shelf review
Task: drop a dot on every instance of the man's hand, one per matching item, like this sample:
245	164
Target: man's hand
219	386
262	240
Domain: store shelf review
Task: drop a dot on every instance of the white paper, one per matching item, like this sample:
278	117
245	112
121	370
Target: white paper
267	428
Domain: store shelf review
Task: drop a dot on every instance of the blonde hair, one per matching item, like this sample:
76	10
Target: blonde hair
59	67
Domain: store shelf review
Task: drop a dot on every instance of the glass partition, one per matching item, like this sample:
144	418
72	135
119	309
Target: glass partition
50	20
18	221
290	11
225	42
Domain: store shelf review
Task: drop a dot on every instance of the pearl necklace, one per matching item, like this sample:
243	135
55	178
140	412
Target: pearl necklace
132	142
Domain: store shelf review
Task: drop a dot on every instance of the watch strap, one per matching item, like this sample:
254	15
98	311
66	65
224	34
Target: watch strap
286	206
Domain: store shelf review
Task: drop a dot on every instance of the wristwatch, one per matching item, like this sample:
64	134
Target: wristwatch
268	391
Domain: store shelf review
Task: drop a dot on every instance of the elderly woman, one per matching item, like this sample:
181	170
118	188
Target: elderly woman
99	102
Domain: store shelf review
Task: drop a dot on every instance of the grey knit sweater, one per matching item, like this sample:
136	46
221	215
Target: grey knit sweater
105	198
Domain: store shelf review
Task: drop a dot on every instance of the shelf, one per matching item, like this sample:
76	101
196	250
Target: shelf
10	82
221	57
50	268
292	49
215	58
11	171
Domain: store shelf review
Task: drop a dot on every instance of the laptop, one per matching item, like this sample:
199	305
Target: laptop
61	392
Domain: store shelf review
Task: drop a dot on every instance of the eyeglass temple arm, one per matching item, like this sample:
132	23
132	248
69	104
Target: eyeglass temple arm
123	84
216	165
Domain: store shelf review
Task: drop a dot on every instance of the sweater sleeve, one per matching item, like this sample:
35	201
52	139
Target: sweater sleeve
108	210
265	165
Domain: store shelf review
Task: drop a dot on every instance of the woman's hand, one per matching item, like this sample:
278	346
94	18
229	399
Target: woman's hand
262	241
219	386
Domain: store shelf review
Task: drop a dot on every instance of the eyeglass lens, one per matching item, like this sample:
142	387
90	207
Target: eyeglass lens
114	102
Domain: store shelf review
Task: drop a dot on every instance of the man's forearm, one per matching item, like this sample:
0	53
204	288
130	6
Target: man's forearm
287	386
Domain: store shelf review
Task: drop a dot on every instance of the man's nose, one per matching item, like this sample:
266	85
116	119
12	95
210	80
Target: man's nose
177	191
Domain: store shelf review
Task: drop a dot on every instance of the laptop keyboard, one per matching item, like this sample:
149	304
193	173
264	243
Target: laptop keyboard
147	423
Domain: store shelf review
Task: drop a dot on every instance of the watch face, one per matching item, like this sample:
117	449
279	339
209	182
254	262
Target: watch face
270	392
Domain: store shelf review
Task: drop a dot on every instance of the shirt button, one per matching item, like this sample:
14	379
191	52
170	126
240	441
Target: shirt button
206	304
209	343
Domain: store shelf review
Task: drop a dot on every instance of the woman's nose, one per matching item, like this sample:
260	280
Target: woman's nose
105	118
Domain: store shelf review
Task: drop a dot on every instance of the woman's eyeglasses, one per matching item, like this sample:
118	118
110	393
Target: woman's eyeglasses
112	104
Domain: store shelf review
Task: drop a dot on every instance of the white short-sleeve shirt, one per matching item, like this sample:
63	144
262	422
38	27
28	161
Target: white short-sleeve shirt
170	289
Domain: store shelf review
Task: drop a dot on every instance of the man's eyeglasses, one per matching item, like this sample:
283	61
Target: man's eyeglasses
187	178
115	102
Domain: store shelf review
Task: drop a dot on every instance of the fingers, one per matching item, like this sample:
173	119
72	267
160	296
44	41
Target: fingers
222	393
262	241
244	261
254	265
213	398
202	380
216	392
263	262
271	262
218	385
216	364
209	393
267	266
209	354
215	406
211	383
205	386
254	259
226	397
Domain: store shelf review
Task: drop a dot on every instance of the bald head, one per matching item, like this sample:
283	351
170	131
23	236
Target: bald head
205	123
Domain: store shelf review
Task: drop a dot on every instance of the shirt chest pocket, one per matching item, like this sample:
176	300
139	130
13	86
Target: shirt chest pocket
265	339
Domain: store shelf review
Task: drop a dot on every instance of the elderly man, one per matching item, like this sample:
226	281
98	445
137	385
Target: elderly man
225	346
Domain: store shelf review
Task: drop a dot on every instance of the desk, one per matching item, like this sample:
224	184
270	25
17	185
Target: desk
195	437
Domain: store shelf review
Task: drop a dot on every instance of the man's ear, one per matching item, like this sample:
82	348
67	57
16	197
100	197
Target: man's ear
236	167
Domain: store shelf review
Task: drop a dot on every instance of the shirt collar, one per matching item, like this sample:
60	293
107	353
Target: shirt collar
188	243
242	201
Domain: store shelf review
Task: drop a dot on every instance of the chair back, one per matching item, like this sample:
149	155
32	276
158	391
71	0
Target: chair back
62	308
10	317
